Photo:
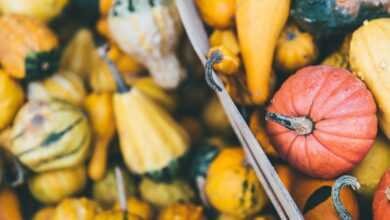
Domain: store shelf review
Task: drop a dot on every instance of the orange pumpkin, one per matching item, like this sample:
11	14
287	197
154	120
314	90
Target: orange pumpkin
313	196
323	121
381	203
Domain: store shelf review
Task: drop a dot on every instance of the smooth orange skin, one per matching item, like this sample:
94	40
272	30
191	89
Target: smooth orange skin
217	13
381	202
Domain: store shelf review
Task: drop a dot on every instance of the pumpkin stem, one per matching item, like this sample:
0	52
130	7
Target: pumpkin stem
301	125
387	193
214	58
120	83
340	183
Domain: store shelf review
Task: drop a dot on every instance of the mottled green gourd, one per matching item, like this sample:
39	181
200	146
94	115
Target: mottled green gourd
49	135
327	17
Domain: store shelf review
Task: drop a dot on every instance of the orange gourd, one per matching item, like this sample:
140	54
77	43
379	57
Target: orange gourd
323	121
381	203
9	205
217	13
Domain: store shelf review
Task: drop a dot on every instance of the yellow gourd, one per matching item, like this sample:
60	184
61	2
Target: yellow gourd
44	10
245	196
44	214
53	186
165	194
101	114
11	99
76	209
65	85
217	13
137	207
295	49
340	58
228	63
151	141
9	205
226	38
257	125
259	24
152	41
78	54
180	211
370	60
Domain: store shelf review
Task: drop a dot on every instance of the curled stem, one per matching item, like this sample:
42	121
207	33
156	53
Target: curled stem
340	183
214	58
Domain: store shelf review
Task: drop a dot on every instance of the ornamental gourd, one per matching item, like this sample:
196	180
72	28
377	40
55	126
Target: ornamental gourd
257	46
153	41
44	10
228	170
157	140
65	85
30	51
381	203
12	98
323	121
10	208
370	61
49	135
295	49
330	17
76	209
182	211
218	14
53	186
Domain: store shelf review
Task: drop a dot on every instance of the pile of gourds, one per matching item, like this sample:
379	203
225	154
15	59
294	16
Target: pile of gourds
311	77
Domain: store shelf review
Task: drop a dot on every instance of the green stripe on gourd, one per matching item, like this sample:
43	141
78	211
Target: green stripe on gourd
50	135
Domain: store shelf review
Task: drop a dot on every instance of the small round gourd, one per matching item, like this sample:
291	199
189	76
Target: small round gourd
49	135
76	209
323	121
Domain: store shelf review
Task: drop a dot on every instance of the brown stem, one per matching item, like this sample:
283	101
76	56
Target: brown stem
301	125
387	193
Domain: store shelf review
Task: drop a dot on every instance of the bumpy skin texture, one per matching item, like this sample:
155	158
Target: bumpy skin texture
381	203
344	115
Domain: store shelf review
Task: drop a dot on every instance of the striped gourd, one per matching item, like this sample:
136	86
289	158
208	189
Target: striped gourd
49	135
66	85
149	31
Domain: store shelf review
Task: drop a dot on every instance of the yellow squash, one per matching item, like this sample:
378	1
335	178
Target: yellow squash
44	10
65	85
226	38
369	58
182	211
259	24
151	141
217	13
245	196
28	49
101	115
46	213
295	49
9	205
228	62
53	186
76	209
11	99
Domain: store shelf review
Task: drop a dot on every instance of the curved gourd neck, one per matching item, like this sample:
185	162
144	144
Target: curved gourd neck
340	183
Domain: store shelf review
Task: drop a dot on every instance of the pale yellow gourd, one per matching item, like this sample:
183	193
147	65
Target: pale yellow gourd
149	31
65	85
76	209
369	58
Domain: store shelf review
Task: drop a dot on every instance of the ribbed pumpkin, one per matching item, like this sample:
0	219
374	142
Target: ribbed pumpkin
295	49
53	186
152	41
381	203
323	121
182	212
232	186
49	135
370	61
29	49
65	85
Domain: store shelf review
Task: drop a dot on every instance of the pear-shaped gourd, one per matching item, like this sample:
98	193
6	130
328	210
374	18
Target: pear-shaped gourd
149	31
151	141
